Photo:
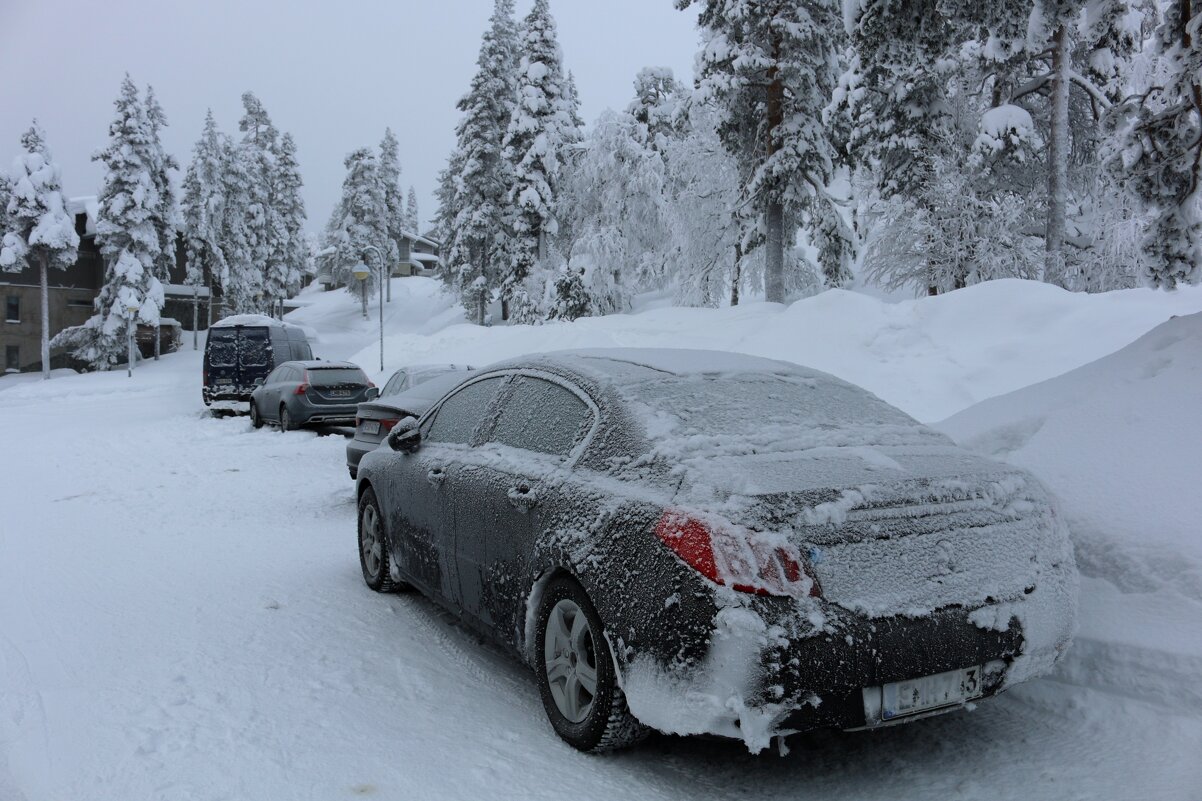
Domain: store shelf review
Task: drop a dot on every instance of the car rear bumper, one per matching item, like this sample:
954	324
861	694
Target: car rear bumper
774	666
356	449
210	395
307	412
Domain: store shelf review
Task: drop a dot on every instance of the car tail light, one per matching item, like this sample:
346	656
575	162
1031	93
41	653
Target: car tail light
303	387
736	557
386	425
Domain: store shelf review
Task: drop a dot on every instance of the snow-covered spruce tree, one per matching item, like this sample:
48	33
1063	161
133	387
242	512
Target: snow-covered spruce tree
242	285
390	185
771	67
657	107
359	220
291	208
35	227
257	153
613	203
203	210
543	122
412	215
167	217
127	230
473	188
1159	150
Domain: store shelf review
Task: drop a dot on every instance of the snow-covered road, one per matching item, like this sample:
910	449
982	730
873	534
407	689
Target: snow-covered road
182	617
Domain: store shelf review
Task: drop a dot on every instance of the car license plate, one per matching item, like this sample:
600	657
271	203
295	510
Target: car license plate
340	393
371	426
901	699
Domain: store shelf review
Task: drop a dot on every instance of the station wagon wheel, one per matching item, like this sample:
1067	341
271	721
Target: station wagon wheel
285	419
576	674
374	559
256	420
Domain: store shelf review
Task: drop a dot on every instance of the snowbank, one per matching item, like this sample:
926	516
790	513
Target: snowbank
931	357
1118	441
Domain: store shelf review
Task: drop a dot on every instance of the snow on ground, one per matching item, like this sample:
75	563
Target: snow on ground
1120	443
931	357
182	616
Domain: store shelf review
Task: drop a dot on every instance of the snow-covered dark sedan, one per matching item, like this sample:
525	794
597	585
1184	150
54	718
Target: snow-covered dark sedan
703	542
409	392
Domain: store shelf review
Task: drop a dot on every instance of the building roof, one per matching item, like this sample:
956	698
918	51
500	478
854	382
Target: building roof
85	204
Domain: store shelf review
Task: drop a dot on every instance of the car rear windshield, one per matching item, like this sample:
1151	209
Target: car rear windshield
751	405
332	376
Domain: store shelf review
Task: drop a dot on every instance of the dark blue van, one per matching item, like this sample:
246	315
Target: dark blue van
239	353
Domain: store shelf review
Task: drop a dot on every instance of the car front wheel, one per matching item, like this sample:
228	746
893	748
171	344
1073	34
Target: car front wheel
576	676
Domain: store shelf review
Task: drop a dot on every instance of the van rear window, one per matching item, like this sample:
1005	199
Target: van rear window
254	347
223	347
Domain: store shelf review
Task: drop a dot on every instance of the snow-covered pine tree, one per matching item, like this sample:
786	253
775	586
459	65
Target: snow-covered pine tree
35	227
203	210
771	66
359	221
264	231
128	235
242	285
412	216
543	122
613	202
290	209
657	107
1159	152
473	188
390	179
167	215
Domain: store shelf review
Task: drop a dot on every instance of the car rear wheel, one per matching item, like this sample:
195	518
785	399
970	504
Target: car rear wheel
256	421
576	675
374	558
286	423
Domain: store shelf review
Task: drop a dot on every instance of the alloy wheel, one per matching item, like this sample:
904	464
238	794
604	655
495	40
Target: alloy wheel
571	660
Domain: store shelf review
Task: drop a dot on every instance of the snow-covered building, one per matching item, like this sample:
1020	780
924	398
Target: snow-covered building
418	255
71	293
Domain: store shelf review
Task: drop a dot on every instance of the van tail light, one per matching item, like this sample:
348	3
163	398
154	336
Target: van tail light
737	557
303	387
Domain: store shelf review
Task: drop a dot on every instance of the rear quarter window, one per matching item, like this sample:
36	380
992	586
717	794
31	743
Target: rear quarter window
543	417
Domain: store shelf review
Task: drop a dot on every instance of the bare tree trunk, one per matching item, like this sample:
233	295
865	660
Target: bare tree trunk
738	274
45	318
1058	147
774	216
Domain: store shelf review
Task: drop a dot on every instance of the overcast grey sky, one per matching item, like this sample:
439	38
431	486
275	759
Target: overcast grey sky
333	73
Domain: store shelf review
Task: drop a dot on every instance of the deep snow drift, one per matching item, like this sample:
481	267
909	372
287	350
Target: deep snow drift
182	616
1119	441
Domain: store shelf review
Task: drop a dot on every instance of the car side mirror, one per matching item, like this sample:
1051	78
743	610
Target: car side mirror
405	436
373	393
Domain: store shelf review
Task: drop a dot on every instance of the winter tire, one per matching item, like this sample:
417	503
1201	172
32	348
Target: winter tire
374	559
575	672
285	419
255	420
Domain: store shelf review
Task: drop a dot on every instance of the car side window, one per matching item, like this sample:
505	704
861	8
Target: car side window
542	416
461	414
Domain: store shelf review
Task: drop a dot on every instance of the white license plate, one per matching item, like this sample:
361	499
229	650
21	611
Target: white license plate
901	699
340	393
371	426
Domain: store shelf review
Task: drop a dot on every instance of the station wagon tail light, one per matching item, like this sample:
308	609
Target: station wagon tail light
303	387
736	557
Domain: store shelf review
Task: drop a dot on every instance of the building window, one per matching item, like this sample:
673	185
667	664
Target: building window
12	358
12	309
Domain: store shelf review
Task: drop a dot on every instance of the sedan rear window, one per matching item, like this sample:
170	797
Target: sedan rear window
332	376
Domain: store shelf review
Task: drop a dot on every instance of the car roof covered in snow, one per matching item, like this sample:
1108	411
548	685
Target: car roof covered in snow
250	320
321	364
618	366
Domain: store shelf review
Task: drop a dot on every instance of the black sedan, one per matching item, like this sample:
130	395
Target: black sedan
409	392
702	542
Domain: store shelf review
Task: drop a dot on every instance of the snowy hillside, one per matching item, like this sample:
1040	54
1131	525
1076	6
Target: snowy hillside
931	356
182	614
1118	441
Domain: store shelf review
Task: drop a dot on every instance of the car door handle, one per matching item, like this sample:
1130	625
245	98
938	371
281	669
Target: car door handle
522	497
436	475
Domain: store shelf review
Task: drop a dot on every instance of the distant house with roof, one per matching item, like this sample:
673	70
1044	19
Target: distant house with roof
73	290
419	255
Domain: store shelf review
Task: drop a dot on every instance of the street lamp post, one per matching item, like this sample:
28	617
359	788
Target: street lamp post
382	270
